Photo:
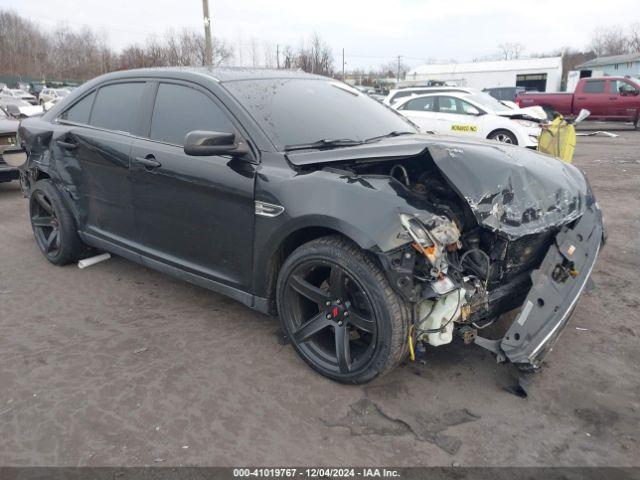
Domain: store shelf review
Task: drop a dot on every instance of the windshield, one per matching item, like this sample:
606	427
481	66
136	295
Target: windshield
20	92
485	100
296	111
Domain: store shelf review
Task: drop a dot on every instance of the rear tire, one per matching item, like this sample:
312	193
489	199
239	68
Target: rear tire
503	136
339	311
54	227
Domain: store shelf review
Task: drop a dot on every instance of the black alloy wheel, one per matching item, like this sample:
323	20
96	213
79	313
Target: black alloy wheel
53	225
336	324
339	312
45	223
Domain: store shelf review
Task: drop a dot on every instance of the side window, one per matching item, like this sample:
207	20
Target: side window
79	112
614	86
117	107
426	104
620	87
447	105
179	110
466	108
594	86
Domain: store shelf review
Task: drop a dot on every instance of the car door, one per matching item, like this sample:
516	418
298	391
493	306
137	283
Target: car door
594	97
623	101
421	111
93	139
195	213
454	117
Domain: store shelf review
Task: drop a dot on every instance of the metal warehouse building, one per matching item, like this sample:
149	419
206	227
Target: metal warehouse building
616	65
541	74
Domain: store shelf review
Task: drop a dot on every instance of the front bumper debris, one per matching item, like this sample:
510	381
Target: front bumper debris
553	297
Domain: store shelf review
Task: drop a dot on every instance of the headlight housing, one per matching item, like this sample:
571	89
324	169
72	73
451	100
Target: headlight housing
416	230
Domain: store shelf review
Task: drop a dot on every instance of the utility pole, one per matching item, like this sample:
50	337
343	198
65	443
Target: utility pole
398	79
208	51
343	64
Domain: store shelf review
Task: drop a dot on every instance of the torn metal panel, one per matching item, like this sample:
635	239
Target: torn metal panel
552	298
514	191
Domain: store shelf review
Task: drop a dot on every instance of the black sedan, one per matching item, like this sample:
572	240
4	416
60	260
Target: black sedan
300	196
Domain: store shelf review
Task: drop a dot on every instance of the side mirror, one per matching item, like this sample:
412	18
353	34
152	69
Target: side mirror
473	111
203	143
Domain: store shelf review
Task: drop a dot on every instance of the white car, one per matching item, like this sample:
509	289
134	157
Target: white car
397	94
52	95
472	115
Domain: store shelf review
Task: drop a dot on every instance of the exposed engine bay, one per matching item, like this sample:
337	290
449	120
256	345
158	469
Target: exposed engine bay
459	274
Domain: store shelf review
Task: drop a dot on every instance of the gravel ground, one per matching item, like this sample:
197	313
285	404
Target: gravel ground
120	365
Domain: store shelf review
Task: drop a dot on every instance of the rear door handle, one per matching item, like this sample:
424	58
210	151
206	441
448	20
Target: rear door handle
66	145
149	162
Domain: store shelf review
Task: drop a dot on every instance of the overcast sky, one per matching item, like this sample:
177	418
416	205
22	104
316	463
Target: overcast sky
372	32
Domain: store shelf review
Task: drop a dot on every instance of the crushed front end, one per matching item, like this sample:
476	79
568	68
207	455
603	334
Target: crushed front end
505	267
461	284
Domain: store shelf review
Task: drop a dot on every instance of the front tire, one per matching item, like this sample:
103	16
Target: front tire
339	311
53	225
503	136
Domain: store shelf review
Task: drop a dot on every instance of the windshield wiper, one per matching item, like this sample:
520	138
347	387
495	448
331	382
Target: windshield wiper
324	143
395	133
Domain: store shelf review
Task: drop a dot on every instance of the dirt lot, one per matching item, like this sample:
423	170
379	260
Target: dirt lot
120	365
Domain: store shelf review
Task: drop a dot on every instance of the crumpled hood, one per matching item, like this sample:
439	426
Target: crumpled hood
510	190
514	190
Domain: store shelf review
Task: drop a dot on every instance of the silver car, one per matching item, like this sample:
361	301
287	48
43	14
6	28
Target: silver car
16	93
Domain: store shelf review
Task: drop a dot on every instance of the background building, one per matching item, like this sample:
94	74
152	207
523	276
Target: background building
616	65
541	74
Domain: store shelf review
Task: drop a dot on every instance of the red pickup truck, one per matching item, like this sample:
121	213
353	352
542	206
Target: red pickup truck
607	98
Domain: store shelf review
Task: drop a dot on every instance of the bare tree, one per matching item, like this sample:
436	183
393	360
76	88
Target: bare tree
511	51
390	69
315	56
609	41
634	37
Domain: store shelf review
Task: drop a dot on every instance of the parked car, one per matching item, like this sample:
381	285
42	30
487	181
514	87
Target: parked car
52	95
607	98
24	86
36	88
8	141
397	94
17	94
366	237
470	115
19	108
504	94
3	86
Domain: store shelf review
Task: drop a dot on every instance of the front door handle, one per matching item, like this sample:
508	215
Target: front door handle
66	145
149	162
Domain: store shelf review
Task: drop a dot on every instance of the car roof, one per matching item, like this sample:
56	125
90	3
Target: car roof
219	74
448	87
461	95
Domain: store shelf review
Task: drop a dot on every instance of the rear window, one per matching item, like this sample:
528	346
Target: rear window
79	113
117	107
594	86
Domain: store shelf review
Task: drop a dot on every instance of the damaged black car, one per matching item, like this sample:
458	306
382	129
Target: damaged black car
300	196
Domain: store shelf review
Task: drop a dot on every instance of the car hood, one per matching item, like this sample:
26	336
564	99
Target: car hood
8	126
510	190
